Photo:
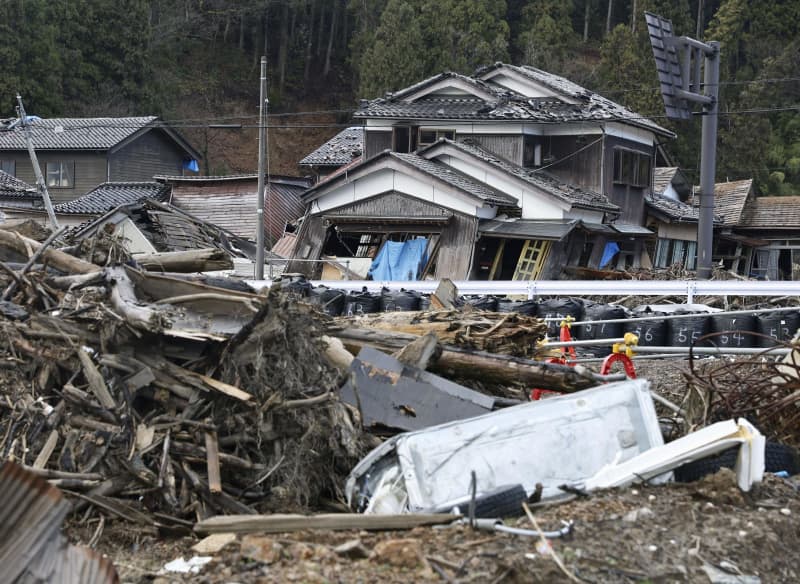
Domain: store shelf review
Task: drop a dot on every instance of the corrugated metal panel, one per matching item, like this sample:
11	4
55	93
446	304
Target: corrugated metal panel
32	548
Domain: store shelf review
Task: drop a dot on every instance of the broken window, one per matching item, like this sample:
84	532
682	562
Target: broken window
676	251
61	174
428	136
631	168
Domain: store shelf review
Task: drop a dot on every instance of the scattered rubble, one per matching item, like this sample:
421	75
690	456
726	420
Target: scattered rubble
178	404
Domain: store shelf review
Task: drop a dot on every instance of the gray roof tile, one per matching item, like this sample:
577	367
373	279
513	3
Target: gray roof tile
341	149
576	196
75	133
772	213
673	209
13	188
505	104
662	177
456	179
107	196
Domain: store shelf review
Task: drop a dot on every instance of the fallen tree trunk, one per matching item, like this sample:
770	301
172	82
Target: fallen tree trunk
471	364
193	260
57	259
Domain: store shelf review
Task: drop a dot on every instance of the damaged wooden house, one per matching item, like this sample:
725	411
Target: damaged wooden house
512	173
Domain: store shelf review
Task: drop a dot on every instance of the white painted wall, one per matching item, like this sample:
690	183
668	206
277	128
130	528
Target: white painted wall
534	204
685	231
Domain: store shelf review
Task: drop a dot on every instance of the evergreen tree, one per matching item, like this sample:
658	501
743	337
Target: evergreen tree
547	37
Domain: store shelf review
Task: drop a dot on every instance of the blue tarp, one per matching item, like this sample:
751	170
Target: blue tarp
192	165
399	260
609	252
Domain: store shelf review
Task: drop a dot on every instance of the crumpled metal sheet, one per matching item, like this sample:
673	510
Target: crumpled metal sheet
32	548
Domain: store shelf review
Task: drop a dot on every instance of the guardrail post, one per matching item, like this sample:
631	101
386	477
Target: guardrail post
691	290
531	289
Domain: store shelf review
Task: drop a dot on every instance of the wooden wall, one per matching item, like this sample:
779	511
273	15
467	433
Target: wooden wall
89	168
151	154
376	142
582	168
630	199
504	146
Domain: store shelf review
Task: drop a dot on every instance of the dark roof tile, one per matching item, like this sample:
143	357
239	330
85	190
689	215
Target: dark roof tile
456	179
75	133
13	188
550	184
341	149
107	196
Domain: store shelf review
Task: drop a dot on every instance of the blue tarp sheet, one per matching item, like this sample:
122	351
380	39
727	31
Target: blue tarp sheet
609	252
399	260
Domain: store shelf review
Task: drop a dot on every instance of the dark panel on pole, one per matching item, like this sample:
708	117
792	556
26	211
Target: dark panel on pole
669	69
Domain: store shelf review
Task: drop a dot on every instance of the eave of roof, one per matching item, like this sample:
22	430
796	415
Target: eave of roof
575	196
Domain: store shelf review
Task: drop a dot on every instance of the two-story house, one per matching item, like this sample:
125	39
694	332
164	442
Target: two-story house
77	154
512	173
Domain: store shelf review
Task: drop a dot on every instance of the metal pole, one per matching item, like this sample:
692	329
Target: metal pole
708	164
41	185
259	273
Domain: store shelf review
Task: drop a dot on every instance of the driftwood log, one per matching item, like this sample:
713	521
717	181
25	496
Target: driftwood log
193	260
464	363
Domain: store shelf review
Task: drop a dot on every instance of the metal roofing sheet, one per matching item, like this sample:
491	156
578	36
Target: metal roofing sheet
631	229
527	228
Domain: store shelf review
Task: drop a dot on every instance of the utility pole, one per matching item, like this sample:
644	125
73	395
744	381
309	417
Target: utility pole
262	148
679	77
41	185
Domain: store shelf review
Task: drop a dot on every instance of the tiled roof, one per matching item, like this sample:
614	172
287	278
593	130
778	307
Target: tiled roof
594	105
772	213
341	149
673	209
505	104
75	133
456	179
107	196
729	200
576	196
662	177
13	188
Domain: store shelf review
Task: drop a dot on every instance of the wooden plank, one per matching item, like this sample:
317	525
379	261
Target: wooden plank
96	382
47	450
212	463
284	523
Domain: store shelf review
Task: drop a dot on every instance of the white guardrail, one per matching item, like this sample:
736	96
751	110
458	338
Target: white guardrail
534	288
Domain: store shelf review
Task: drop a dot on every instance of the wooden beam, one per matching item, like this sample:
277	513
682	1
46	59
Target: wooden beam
58	259
280	523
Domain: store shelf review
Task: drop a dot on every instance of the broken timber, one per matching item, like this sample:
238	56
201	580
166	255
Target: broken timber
471	364
280	523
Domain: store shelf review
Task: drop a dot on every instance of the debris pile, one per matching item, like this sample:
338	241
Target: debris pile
165	401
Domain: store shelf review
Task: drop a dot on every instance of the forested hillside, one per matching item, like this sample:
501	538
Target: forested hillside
195	64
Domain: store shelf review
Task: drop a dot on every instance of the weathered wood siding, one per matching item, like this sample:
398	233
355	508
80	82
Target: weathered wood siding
376	142
89	168
391	205
151	154
456	241
508	147
630	199
230	205
582	168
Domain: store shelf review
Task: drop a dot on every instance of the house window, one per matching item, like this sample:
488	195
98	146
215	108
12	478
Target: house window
428	136
631	168
404	139
9	167
676	251
61	175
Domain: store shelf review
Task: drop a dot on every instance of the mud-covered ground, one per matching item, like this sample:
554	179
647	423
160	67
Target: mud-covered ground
696	532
